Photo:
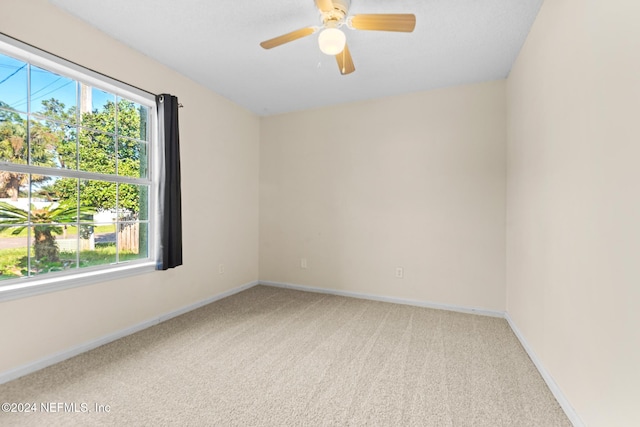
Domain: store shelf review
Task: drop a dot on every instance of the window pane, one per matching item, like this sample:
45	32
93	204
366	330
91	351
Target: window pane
49	254
99	247
46	204
14	217
106	231
97	152
61	189
132	158
133	202
132	119
132	240
99	197
52	144
14	186
13	137
54	236
68	246
13	84
98	109
53	96
13	252
67	149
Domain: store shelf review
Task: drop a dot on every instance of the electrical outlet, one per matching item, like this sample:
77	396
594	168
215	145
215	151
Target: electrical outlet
221	269
303	263
399	272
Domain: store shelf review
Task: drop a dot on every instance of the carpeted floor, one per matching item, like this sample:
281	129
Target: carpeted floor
276	357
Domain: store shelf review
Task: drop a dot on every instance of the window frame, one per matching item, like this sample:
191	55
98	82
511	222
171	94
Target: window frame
51	282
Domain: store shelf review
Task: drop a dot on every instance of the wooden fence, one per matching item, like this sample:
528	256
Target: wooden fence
129	237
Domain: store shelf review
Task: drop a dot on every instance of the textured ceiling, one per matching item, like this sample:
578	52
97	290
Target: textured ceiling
216	43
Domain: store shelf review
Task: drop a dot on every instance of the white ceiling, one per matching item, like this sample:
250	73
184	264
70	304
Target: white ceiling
216	43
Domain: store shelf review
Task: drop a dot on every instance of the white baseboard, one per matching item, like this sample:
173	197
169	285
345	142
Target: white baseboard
553	386
468	310
74	351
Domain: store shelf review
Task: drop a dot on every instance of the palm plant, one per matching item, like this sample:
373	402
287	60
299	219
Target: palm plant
46	222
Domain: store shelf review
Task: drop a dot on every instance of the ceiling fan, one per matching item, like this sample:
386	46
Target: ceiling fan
332	41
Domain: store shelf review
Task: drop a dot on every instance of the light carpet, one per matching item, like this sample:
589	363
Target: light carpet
276	357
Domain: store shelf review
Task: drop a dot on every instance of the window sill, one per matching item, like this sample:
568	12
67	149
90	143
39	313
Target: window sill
54	284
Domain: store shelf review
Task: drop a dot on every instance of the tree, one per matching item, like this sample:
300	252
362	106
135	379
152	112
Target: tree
45	219
13	135
65	149
15	149
97	153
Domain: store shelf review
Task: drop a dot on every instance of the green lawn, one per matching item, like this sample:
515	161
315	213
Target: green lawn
71	231
10	262
13	262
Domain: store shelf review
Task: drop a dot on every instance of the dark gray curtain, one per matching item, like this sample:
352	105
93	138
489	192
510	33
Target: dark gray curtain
170	195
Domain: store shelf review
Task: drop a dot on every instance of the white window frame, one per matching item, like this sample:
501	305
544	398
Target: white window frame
25	287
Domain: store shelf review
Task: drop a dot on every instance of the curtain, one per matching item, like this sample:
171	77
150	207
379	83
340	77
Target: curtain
170	205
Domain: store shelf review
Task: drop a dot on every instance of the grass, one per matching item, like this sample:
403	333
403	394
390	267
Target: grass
71	230
10	262
13	261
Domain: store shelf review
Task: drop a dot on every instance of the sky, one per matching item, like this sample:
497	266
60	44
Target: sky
44	85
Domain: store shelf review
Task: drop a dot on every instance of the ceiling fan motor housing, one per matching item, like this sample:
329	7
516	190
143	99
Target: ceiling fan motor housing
338	15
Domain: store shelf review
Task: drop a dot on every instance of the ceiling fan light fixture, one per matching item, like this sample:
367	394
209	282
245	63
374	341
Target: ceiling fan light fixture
332	41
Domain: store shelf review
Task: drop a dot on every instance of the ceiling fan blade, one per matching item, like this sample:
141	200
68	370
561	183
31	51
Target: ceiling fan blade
324	5
345	62
289	37
403	22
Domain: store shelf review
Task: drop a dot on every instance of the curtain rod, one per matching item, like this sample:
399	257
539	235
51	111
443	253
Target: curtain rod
162	100
80	65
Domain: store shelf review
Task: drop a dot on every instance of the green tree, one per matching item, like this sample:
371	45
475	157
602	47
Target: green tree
58	122
97	153
15	148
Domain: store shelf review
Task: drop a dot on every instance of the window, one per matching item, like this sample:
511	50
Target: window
76	187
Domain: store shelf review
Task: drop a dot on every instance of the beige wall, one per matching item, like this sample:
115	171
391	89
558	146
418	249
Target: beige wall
573	233
416	181
219	143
